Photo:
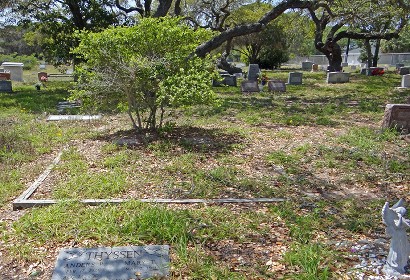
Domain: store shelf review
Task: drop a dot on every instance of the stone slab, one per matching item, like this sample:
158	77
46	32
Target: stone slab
249	86
73	117
227	80
295	78
253	72
337	77
5	86
275	85
108	263
397	116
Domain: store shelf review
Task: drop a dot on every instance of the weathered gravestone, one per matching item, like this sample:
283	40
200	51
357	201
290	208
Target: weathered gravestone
295	78
345	64
337	77
404	70
5	86
15	69
405	81
353	67
249	86
253	72
107	263
397	116
227	79
275	85
307	65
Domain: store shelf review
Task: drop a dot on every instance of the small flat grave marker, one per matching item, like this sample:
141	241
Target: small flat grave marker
106	263
253	72
73	117
5	86
249	86
277	86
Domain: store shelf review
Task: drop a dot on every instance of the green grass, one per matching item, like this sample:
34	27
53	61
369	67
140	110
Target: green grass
315	138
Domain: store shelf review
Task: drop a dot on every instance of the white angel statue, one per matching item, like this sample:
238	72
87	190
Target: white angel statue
398	258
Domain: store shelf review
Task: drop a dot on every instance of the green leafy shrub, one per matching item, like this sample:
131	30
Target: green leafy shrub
144	69
30	61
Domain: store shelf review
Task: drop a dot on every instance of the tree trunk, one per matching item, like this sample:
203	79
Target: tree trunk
368	48
224	64
376	53
163	8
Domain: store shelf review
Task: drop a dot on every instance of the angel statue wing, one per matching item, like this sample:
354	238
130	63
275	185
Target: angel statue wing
399	203
389	215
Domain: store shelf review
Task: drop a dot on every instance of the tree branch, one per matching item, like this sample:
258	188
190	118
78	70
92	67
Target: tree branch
246	29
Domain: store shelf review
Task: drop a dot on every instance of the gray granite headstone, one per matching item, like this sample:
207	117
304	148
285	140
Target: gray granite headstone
253	72
307	65
337	77
108	263
295	78
397	116
249	86
5	86
227	79
405	81
277	86
404	70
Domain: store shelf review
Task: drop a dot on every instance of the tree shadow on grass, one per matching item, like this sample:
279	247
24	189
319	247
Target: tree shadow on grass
192	139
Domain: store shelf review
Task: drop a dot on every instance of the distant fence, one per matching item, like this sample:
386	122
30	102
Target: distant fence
353	59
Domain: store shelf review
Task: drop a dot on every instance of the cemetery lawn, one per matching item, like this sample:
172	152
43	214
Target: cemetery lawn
319	146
